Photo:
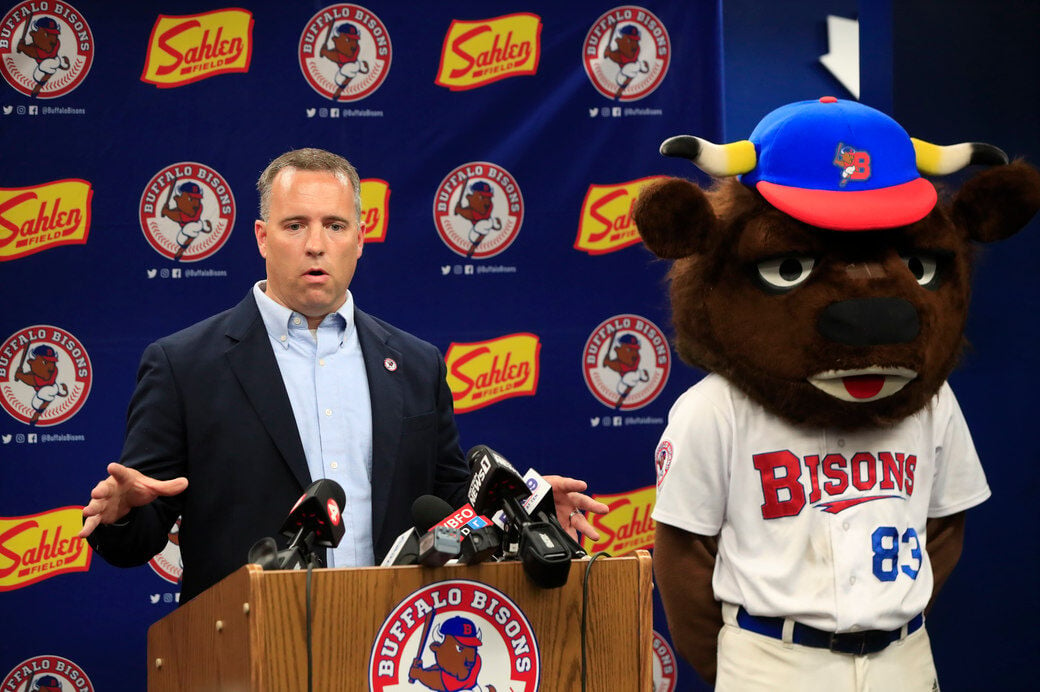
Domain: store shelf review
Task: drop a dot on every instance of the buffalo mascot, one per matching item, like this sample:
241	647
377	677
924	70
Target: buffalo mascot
812	487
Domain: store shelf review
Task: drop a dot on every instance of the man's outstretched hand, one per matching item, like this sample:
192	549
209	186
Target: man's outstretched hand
125	488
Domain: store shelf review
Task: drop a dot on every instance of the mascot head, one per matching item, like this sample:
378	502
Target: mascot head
822	274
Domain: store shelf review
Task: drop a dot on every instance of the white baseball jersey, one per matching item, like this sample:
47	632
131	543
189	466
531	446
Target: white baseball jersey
822	526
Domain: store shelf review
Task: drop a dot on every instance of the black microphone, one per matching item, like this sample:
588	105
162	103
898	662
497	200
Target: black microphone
495	485
479	544
315	520
427	510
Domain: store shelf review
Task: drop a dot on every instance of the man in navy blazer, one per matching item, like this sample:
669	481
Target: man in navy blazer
214	403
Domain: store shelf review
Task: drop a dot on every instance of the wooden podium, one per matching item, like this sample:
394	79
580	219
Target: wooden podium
248	632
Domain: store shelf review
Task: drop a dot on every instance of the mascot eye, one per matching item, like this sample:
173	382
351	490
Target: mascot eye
924	267
782	274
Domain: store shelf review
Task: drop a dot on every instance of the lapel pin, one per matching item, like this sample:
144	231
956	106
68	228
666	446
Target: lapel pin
390	364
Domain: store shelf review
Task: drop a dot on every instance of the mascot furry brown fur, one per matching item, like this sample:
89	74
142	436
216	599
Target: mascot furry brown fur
821	472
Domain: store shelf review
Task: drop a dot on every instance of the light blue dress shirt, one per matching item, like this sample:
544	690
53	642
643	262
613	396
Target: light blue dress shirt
324	374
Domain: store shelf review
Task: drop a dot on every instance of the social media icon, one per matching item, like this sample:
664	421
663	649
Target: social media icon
7	439
606	421
19	438
34	110
616	111
593	112
8	110
154	598
311	112
31	438
333	112
457	270
605	111
594	421
175	273
445	269
152	273
617	421
323	112
21	110
469	269
164	273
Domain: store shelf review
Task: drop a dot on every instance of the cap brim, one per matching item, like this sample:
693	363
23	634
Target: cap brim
862	210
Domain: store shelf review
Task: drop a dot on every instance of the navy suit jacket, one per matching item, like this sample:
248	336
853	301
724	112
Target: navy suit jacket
210	405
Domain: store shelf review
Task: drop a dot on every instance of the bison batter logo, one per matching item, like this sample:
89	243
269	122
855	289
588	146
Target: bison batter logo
626	53
478	210
455	635
626	362
47	674
187	211
345	52
46	48
45	375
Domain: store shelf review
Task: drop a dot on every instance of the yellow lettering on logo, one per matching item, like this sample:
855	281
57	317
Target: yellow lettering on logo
375	208
476	53
627	526
606	217
185	49
482	373
33	219
41	546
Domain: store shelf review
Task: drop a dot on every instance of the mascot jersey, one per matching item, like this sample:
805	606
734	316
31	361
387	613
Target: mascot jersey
825	527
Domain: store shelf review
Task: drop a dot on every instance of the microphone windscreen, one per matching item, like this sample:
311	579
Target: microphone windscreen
428	510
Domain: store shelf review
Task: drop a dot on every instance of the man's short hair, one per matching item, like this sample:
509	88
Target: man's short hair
308	160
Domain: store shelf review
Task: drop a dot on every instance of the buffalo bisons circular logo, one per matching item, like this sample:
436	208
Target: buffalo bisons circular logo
455	635
665	675
478	210
187	211
663	459
47	674
45	375
626	362
168	563
626	53
46	48
345	52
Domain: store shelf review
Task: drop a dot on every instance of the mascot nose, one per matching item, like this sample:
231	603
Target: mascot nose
870	322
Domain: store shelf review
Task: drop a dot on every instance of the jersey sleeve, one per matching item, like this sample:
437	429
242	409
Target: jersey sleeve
959	483
692	461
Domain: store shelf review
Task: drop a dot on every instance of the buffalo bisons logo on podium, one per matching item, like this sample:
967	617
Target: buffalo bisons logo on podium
345	52
476	53
47	674
46	48
41	546
626	362
478	210
187	211
33	219
606	217
455	635
184	49
45	375
482	373
626	53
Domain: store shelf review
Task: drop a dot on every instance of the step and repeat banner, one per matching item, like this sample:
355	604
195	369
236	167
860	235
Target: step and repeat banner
501	148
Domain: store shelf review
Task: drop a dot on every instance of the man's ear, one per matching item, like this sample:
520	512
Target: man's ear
998	202
260	230
674	217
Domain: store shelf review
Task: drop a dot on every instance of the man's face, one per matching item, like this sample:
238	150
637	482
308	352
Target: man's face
312	240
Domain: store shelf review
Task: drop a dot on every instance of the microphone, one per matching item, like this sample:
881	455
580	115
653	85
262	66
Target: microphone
427	511
314	520
497	485
480	539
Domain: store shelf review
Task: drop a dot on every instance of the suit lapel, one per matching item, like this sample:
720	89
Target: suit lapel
387	411
252	360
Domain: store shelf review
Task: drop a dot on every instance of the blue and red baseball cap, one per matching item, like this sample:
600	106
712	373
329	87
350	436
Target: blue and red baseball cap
463	629
190	189
481	188
839	165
